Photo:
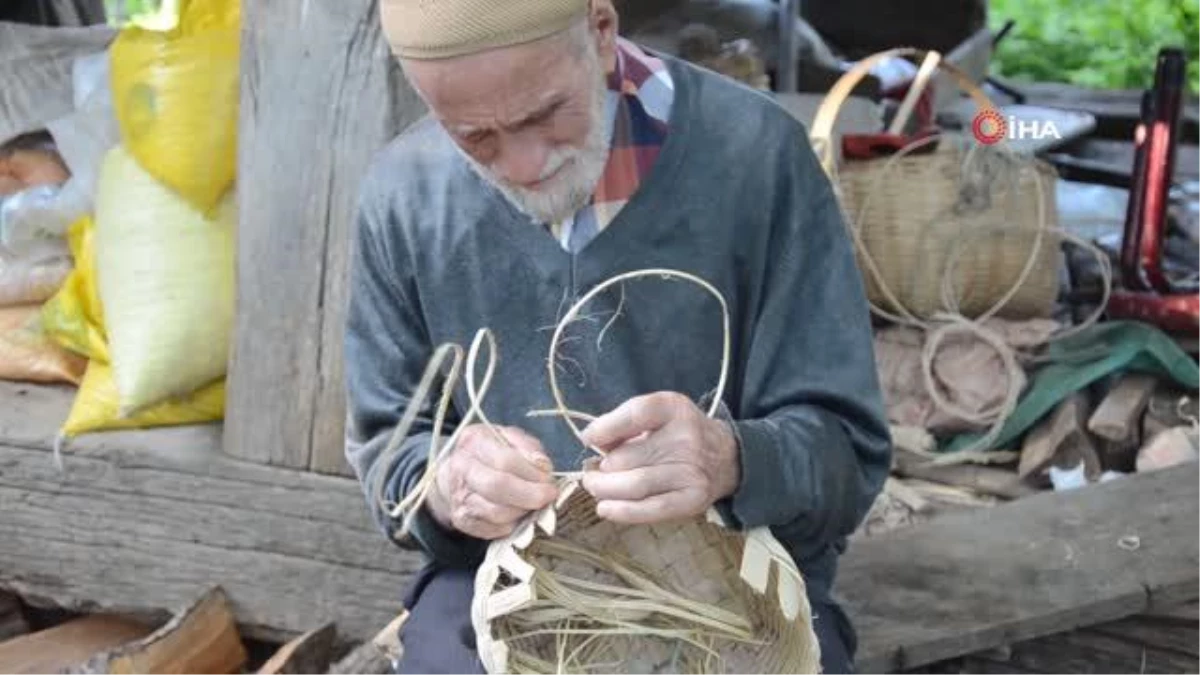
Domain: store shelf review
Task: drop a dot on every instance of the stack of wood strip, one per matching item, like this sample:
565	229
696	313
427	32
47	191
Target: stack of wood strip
203	638
1137	424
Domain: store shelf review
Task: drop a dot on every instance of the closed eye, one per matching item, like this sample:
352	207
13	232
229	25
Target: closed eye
540	116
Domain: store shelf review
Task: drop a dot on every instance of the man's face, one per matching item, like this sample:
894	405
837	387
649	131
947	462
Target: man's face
529	118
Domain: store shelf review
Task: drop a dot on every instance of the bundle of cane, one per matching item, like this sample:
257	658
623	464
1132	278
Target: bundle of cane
569	592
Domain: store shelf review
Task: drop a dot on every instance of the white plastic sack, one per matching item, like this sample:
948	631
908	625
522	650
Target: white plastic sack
31	217
83	137
166	280
37	69
32	278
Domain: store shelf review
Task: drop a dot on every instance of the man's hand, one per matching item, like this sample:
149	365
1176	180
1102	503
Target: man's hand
665	460
485	487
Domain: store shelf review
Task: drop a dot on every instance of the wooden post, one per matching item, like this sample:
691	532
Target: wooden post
320	96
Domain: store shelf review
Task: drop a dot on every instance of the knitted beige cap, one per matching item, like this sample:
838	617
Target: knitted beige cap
438	29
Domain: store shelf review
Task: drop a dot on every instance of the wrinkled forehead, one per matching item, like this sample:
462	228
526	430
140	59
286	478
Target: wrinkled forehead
499	86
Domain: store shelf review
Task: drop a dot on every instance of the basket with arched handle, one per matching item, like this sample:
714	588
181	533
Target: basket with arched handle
964	220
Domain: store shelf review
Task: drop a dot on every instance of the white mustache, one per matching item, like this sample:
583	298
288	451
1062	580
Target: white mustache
556	159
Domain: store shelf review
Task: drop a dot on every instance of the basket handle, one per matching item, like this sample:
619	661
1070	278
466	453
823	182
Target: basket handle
821	133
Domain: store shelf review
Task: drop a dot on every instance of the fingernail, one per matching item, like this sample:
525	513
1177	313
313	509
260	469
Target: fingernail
539	461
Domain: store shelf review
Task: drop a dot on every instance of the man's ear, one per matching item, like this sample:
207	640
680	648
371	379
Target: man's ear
602	19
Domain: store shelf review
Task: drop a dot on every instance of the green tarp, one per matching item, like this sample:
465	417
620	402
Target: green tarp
1075	362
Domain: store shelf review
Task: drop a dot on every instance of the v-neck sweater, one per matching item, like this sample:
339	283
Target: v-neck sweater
736	198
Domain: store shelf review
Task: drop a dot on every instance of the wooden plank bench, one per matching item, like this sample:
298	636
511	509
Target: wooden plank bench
1042	565
144	522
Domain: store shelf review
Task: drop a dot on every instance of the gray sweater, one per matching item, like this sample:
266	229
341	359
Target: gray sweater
737	198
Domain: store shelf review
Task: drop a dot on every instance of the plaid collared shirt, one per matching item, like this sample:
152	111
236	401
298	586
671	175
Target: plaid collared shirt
638	105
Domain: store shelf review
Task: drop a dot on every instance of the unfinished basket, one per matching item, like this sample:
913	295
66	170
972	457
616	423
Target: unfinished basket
569	592
967	214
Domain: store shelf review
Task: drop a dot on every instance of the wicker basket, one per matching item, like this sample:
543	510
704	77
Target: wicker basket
965	213
747	574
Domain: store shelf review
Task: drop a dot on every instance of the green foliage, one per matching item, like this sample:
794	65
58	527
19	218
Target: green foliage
1109	44
121	12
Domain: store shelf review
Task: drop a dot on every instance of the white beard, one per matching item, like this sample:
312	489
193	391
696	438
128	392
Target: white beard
579	169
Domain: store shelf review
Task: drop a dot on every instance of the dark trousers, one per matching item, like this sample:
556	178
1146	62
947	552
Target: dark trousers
439	638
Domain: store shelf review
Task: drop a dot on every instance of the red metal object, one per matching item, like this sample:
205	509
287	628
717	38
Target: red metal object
1172	313
1147	294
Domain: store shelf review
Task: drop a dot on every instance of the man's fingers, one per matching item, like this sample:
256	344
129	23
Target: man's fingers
632	455
522	455
659	508
481	529
479	508
636	484
633	417
510	490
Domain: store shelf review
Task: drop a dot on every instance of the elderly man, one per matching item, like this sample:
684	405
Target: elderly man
555	156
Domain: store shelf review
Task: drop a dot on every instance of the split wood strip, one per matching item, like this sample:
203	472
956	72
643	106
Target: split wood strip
1061	439
1117	417
201	639
147	521
986	480
320	71
64	646
1034	567
366	659
377	655
309	653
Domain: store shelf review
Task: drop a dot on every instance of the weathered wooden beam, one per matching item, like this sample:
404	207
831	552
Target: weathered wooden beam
320	95
1041	565
144	522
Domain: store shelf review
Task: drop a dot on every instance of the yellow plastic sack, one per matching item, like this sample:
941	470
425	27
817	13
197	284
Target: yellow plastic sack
28	355
166	278
97	406
74	319
176	98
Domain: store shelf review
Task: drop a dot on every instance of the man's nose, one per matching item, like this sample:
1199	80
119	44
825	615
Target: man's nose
522	159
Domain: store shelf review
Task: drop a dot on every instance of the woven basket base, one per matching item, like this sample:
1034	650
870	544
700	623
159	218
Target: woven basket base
697	558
